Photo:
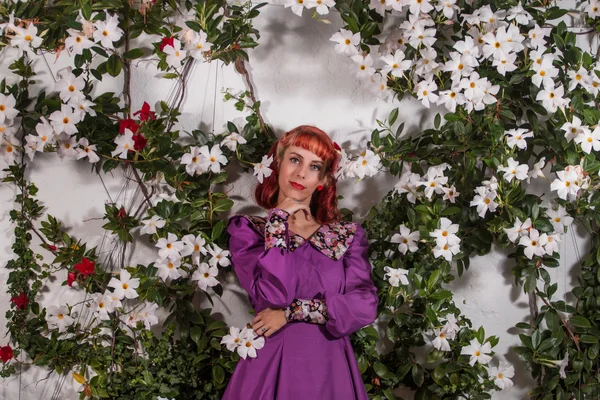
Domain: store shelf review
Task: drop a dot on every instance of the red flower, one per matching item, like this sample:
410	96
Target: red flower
145	112
85	268
337	146
6	353
71	277
122	214
139	142
128	124
21	301
52	248
166	41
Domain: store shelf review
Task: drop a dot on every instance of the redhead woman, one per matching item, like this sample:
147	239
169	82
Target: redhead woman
307	276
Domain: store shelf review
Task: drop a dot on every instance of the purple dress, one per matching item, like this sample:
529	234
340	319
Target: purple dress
303	360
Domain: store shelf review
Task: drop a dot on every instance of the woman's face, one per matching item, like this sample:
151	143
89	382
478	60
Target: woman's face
300	172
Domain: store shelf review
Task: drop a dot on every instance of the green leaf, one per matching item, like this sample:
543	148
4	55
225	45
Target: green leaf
218	374
133	54
580	321
393	116
418	374
113	65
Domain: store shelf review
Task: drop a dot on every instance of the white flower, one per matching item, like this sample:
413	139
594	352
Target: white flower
67	146
148	315
250	344
441	338
108	31
262	170
233	339
551	245
367	164
562	364
446	250
446	233
516	137
7	128
174	54
450	98
198	45
537	35
125	286
566	184
395	64
451	324
232	140
396	275
77	42
407	240
534	243
536	171
7	107
497	44
219	256
87	150
505	63
519	229
425	92
574	129
58	317
379	6
115	301
501	376
82	105
151	224
364	69
26	39
65	120
214	158
478	352
168	268
102	305
450	194
8	148
560	219
322	6
545	73
580	77
124	144
448	7
519	14
434	182
514	170
194	245
484	200
592	8
296	5
206	276
70	86
32	146
589	140
169	247
409	181
552	98
346	41
194	161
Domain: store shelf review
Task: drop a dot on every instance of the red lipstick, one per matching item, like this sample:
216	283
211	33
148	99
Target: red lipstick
297	186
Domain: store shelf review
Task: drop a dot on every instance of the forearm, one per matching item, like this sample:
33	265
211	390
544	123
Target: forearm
307	310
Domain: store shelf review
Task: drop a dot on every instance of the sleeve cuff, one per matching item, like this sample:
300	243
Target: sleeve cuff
276	231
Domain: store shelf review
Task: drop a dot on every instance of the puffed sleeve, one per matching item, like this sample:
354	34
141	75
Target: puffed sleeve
357	306
262	263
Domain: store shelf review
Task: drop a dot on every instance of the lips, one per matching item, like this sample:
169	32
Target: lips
297	186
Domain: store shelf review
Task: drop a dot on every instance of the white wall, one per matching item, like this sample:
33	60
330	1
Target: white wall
300	80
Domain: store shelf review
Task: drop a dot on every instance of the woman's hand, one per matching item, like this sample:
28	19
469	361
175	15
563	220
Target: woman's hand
292	206
270	319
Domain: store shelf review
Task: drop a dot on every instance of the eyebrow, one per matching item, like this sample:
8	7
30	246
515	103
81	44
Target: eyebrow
315	161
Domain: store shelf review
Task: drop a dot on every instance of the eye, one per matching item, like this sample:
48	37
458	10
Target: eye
318	167
294	158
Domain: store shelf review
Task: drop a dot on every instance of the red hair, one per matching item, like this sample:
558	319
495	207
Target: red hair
323	204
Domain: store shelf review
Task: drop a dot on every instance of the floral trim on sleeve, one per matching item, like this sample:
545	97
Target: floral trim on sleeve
276	229
313	311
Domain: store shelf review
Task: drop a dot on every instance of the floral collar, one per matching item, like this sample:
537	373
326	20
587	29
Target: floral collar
333	240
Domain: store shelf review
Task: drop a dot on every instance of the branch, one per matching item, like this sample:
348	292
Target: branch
241	69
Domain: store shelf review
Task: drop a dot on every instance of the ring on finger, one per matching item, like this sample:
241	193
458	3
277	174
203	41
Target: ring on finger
263	329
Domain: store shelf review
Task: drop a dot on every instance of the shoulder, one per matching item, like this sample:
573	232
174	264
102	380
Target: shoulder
240	221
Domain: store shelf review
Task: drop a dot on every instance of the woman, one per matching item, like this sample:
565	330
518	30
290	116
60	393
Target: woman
308	278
